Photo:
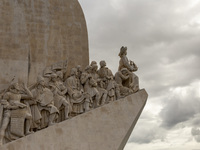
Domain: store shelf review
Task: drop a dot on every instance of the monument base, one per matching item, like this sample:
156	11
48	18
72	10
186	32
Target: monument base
104	128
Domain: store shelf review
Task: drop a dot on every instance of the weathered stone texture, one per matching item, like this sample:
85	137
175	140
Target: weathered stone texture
105	128
38	33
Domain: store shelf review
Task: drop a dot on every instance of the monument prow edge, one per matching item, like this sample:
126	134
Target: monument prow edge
105	128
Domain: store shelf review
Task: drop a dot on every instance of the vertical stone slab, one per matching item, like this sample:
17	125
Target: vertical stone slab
38	33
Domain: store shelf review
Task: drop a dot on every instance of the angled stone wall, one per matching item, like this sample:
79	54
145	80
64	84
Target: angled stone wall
104	128
38	33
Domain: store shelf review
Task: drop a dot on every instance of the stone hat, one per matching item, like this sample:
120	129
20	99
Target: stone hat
93	62
53	75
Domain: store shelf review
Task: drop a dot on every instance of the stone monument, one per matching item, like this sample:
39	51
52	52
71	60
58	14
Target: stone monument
48	100
37	33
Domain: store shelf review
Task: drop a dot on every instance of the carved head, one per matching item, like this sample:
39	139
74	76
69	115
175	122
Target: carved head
123	51
102	63
54	76
94	67
14	84
93	62
79	68
73	72
88	69
60	74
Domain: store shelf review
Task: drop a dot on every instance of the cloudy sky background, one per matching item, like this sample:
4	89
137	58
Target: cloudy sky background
163	39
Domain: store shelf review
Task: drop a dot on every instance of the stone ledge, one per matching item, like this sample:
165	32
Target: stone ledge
104	128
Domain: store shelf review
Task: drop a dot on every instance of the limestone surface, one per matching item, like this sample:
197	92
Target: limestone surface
107	127
38	33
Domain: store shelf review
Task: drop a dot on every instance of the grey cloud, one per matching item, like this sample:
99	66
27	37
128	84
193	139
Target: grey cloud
143	23
153	32
179	110
147	130
196	134
196	121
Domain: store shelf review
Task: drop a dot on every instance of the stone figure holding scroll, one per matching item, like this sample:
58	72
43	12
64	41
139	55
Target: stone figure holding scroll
45	99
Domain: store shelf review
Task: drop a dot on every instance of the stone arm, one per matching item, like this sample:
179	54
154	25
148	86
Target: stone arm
92	82
28	94
5	103
63	89
84	78
54	89
64	92
35	98
109	72
124	77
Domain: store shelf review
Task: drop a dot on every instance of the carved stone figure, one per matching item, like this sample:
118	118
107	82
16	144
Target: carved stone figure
110	85
111	89
122	77
90	86
45	99
100	85
104	72
79	99
58	68
59	91
15	115
133	81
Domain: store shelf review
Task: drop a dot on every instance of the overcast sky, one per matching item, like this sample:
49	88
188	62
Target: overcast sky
163	39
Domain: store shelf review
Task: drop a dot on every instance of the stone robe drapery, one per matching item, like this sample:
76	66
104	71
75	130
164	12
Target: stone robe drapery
77	97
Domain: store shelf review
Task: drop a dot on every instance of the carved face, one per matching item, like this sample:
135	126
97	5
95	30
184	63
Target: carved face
16	86
79	68
103	63
74	72
54	77
60	74
42	82
94	68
